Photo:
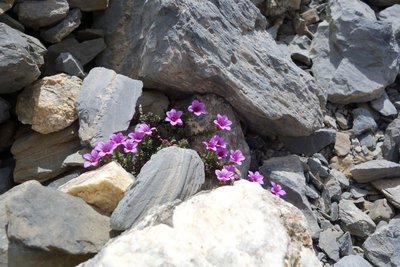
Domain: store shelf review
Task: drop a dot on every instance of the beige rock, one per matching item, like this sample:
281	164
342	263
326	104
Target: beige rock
103	187
49	104
310	16
342	164
342	144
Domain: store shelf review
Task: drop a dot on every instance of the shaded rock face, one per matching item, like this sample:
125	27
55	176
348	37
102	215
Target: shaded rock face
49	104
21	57
216	46
375	170
48	228
41	157
345	46
173	173
391	189
391	143
106	104
263	229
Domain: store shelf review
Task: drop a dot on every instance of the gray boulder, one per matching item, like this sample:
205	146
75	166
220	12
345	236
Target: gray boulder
41	13
61	30
391	142
288	172
345	46
355	221
106	104
382	248
374	170
383	104
329	244
173	173
21	58
363	121
216	47
352	261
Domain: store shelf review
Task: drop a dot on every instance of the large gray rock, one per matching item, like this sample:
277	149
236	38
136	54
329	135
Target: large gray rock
106	104
216	47
173	173
355	221
263	231
391	143
41	157
391	189
39	232
363	121
374	170
288	172
20	59
345	46
329	244
352	261
383	247
41	13
58	32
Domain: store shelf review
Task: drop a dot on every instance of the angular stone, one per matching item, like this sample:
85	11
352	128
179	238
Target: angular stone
328	243
89	5
367	140
203	56
4	110
103	187
58	32
197	228
342	144
21	58
384	106
49	104
106	104
309	145
41	13
5	5
341	178
355	221
363	121
345	245
343	49
374	170
391	189
391	14
352	261
288	172
391	142
43	162
381	211
382	247
68	64
153	101
48	228
172	173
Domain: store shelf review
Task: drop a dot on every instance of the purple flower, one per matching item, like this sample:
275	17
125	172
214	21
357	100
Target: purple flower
92	159
222	122
215	142
118	139
229	168
236	157
211	145
174	117
105	148
221	152
224	175
145	128
130	146
136	136
256	177
277	190
197	108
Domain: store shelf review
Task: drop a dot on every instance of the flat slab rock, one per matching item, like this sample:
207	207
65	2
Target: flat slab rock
390	188
172	173
352	261
374	170
218	47
263	230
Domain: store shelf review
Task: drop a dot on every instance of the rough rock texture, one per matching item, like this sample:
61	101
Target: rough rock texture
68	64
381	210
374	170
363	121
355	221
20	59
382	248
5	5
106	104
89	5
391	189
36	14
103	187
172	173
262	230
352	261
391	143
288	172
48	228
58	32
219	47
342	144
384	106
40	157
49	104
345	46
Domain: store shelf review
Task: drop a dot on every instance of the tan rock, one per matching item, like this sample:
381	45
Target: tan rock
342	164
342	144
49	104
310	16
103	187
